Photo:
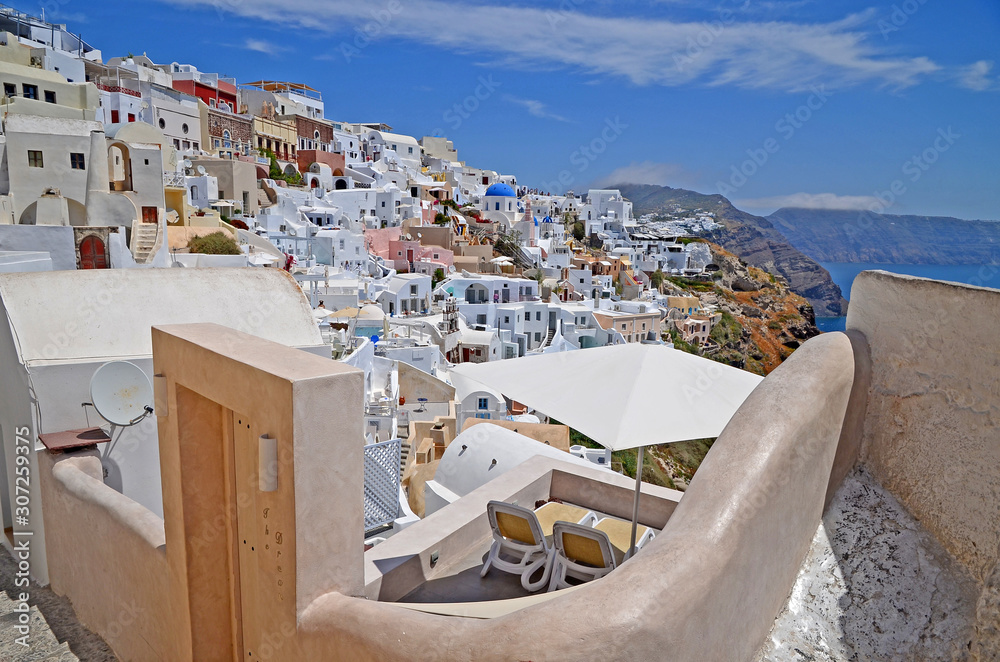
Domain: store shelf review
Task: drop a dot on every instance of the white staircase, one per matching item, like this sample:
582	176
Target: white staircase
144	236
42	644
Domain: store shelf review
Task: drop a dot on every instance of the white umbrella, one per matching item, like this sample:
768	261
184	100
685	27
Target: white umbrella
622	396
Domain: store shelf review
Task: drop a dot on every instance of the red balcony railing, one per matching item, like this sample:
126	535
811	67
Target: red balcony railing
115	88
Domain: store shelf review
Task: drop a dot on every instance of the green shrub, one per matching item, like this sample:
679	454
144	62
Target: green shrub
217	243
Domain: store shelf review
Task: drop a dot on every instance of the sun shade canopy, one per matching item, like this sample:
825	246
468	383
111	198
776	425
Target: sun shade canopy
621	396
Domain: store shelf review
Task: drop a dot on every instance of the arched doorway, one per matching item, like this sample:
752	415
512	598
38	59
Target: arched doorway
93	254
340	185
119	167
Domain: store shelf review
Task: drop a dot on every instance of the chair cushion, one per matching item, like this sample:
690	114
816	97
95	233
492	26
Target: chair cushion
553	512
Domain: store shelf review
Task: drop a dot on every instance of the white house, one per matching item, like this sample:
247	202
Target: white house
51	357
405	150
406	294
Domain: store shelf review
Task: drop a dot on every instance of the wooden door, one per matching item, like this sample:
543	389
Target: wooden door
93	254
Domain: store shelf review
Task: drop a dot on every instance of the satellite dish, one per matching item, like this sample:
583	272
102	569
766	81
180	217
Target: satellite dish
121	393
187	163
201	170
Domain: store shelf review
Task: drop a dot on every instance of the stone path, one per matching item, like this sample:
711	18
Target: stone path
55	633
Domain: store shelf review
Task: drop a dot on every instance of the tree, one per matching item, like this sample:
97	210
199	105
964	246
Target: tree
437	277
657	279
441	219
578	232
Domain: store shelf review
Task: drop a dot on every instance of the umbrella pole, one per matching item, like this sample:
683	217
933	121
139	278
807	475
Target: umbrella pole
635	504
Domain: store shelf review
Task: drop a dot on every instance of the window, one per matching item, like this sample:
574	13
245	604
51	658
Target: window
194	146
76	161
50	96
538	337
538	316
498	206
506	319
9	90
184	128
30	91
484	403
216	142
341	244
162	123
623	327
413	290
411	150
131	117
34	158
145	161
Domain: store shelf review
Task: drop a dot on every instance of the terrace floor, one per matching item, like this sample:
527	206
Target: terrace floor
461	582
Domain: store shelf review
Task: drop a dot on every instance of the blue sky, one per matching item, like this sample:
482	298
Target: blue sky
804	102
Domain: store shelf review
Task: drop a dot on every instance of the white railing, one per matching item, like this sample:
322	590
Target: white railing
382	483
175	179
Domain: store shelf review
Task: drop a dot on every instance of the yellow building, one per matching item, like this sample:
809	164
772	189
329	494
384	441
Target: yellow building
277	136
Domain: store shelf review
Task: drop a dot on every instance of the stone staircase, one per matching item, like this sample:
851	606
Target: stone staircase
42	644
404	457
548	338
144	236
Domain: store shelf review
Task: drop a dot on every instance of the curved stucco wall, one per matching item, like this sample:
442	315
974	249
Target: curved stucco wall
932	430
707	588
107	553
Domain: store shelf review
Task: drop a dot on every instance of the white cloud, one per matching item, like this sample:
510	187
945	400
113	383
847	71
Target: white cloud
650	172
811	201
976	77
261	46
535	107
781	55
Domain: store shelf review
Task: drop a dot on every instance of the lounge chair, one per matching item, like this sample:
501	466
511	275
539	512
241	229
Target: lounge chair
584	553
620	534
521	544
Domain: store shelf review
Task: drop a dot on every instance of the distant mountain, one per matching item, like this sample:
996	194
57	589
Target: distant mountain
752	238
851	236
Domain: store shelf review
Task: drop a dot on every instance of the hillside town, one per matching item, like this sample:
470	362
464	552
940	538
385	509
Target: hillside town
361	217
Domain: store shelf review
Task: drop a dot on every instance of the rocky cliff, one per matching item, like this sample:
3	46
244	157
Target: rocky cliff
752	238
763	321
852	236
